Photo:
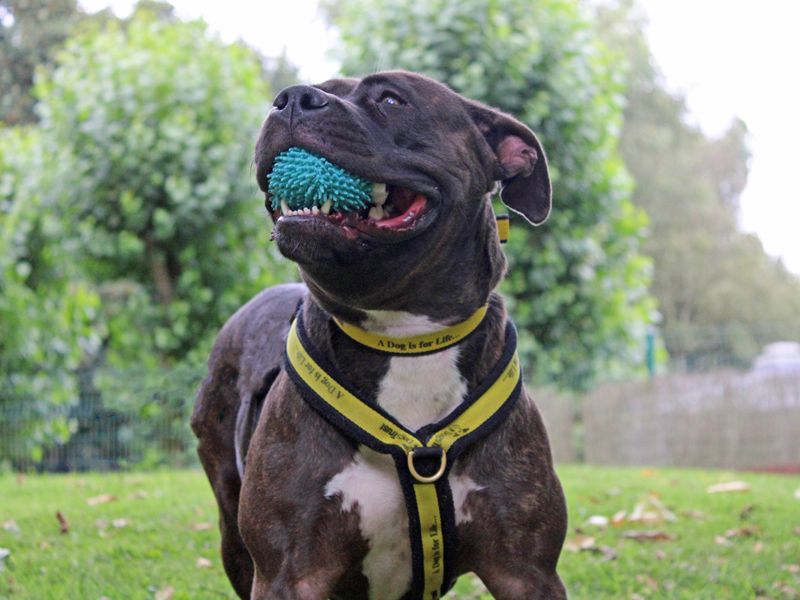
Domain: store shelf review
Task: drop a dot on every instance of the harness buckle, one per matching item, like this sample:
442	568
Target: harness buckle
427	452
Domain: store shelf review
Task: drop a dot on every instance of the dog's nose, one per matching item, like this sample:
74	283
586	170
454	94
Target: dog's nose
302	98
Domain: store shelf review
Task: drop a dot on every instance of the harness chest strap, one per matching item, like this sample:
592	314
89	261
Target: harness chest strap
427	494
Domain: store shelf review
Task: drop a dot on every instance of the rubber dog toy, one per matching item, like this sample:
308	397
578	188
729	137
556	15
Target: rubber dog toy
304	180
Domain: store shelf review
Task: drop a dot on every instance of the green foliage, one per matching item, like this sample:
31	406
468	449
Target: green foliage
47	314
154	123
577	286
720	296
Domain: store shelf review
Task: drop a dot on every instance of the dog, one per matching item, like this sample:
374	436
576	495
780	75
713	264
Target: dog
306	511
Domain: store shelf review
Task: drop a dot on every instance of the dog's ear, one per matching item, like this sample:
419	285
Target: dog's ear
521	162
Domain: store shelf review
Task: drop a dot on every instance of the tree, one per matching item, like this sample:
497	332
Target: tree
30	32
720	296
577	286
154	123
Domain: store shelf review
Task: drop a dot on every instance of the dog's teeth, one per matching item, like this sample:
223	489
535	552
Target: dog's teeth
315	210
306	211
284	207
379	194
326	208
376	213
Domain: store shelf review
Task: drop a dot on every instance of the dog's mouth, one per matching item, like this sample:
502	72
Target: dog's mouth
395	213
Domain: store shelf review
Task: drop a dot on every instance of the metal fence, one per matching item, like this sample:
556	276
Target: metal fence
137	420
721	418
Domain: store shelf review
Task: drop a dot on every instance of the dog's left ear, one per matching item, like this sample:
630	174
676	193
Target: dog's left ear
521	162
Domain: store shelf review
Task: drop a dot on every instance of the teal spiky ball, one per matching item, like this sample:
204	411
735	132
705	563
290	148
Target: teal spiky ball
305	180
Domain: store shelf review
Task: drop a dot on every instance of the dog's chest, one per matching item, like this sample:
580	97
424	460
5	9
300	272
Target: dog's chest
416	391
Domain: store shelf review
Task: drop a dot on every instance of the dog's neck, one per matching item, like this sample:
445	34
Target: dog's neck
398	323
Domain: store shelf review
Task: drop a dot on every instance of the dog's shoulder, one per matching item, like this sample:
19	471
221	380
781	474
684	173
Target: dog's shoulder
250	328
248	350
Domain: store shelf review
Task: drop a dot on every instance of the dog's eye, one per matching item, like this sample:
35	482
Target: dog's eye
391	99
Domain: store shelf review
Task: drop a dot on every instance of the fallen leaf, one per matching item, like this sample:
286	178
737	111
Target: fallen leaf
201	526
598	521
203	563
758	547
744	514
608	553
660	554
120	523
785	588
165	593
730	486
579	542
649	510
11	526
797	530
649	536
722	541
63	524
741	532
647	472
649	582
791	568
101	499
139	495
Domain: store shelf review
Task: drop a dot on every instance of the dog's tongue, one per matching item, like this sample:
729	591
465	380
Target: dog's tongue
414	209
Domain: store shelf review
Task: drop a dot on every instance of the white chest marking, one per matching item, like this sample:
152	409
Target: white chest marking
369	485
416	390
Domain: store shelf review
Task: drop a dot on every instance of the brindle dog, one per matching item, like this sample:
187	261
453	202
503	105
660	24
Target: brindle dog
304	512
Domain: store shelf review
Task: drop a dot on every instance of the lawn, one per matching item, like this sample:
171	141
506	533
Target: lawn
634	533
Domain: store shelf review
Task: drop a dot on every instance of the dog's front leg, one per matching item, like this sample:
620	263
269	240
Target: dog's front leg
532	585
284	586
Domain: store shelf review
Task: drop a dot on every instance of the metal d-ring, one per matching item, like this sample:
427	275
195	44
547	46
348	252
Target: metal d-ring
433	478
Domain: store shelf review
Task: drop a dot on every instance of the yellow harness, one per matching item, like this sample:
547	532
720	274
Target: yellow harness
424	457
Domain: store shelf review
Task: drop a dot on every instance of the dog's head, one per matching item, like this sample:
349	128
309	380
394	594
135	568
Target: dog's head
433	247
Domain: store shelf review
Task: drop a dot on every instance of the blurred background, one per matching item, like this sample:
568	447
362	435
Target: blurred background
659	307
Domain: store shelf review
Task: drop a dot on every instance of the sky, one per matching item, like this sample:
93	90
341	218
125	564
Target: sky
728	57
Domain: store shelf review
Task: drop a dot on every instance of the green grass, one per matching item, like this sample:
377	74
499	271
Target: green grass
152	534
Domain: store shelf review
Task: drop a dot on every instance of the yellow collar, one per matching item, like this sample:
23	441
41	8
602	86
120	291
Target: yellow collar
415	344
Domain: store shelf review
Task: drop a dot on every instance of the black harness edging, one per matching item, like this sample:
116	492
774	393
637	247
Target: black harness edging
423	458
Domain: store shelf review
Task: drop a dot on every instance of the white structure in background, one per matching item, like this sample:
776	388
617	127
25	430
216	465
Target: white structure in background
778	358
